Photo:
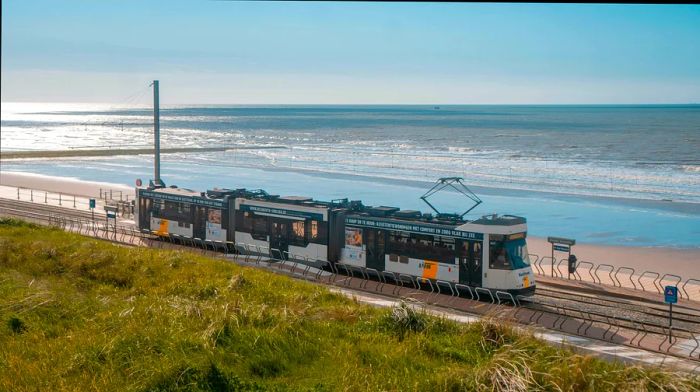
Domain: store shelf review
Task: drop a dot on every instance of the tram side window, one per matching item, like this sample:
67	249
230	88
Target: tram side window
244	221
260	230
158	206
477	253
318	231
398	243
498	255
172	211
298	233
313	230
422	247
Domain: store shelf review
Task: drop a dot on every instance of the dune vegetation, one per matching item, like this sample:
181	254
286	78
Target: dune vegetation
83	314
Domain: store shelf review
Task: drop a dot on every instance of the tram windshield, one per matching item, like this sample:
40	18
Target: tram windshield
517	253
508	254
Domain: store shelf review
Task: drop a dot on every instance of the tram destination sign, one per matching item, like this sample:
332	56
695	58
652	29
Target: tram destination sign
413	228
281	212
183	199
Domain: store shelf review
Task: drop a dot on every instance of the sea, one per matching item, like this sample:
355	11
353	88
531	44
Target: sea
602	174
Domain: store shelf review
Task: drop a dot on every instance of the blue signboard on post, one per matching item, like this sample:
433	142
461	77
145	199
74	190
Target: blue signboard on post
92	203
671	294
561	248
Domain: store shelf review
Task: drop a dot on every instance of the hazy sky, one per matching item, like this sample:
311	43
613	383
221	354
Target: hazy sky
253	52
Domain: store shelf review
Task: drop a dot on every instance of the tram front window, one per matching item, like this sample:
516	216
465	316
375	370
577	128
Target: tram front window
508	255
517	252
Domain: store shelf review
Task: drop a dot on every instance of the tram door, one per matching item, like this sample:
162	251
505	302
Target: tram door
145	207
199	229
279	235
470	263
375	242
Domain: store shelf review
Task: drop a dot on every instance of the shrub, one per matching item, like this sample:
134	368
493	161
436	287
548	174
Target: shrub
16	325
403	319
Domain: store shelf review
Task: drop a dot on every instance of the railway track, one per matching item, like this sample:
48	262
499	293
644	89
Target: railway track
633	323
39	209
683	315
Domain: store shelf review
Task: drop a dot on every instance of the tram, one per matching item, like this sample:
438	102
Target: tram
489	252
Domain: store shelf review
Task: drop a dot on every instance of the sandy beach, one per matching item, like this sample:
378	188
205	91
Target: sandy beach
683	262
69	186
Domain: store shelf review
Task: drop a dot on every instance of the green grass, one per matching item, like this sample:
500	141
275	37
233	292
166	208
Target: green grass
81	314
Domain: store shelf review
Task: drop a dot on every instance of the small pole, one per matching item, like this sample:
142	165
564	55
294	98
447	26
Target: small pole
59	199
552	271
120	195
73	201
156	132
100	193
17	193
31	194
670	322
110	194
46	197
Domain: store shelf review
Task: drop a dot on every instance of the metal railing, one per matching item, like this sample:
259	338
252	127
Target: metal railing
125	208
607	274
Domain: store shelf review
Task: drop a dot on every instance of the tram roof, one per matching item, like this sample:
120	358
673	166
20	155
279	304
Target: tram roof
177	191
355	207
394	214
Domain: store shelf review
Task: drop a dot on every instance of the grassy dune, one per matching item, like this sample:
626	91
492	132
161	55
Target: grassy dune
80	314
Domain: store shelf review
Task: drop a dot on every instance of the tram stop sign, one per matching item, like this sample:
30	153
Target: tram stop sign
671	294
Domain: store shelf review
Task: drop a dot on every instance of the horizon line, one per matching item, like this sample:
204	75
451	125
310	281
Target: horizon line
372	104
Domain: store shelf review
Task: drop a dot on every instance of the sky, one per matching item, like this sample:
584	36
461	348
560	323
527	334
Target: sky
223	52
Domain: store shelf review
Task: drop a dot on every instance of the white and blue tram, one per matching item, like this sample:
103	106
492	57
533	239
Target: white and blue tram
490	252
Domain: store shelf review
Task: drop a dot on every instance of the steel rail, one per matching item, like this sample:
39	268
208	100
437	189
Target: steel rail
614	303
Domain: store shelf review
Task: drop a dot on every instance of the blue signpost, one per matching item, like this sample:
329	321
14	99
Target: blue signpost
670	297
111	214
92	208
563	245
671	294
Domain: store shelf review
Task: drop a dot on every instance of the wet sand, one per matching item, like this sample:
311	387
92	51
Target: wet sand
9	155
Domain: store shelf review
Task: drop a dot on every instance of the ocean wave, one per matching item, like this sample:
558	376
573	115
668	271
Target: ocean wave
527	151
691	168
